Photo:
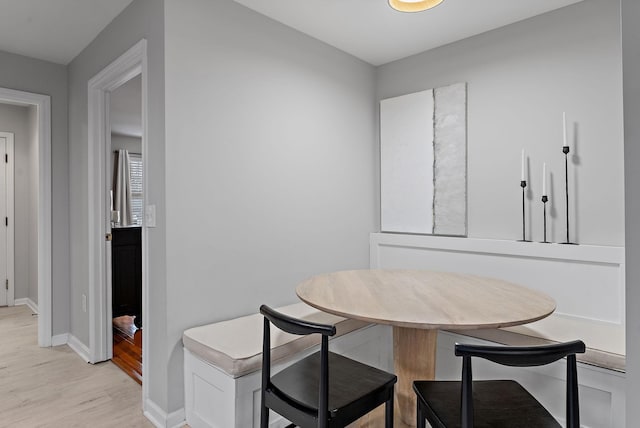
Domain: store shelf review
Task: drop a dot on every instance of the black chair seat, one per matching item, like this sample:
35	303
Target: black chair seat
351	383
324	389
497	404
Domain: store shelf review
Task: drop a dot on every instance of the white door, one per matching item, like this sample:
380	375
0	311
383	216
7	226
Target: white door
4	250
4	253
6	219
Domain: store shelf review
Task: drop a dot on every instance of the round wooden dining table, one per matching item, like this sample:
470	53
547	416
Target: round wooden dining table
417	304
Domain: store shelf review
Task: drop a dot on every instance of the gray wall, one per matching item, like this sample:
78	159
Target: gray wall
42	77
271	165
15	119
141	19
631	57
520	80
276	135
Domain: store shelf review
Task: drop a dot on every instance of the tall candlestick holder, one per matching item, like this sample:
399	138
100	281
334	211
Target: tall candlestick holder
544	221
565	150
523	184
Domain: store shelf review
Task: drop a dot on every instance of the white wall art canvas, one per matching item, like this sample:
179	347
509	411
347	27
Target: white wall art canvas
423	146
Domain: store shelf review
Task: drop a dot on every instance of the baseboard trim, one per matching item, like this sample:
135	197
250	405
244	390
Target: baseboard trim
176	419
60	339
160	418
79	347
154	413
28	302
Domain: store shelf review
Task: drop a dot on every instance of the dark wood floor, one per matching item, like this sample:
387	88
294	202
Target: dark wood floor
127	347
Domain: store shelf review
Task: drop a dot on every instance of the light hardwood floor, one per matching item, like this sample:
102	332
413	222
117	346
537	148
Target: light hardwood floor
53	387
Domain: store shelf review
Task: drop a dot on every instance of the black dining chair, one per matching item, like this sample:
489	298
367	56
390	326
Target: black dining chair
324	389
497	403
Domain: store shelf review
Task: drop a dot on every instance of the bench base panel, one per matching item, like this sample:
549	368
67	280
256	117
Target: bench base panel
213	399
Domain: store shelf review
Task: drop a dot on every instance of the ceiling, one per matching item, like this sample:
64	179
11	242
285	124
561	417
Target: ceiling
58	30
54	30
377	34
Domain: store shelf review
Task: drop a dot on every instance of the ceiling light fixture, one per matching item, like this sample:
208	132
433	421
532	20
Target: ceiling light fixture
413	5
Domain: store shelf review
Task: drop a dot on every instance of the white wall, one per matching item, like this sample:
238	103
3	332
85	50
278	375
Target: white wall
125	142
15	119
520	80
141	19
631	57
125	108
271	164
42	77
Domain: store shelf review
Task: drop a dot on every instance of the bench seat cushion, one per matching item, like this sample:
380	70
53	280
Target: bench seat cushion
235	346
594	357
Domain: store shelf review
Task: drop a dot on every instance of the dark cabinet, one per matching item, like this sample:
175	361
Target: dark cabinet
126	272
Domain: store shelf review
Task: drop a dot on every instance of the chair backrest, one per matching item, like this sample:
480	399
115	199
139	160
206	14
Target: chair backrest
294	325
299	327
521	356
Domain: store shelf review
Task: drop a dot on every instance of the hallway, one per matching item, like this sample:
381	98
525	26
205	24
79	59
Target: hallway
53	387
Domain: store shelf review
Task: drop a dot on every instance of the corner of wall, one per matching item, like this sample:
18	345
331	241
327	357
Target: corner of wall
162	419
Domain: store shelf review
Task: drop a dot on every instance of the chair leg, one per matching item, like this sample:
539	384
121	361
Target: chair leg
388	413
264	416
421	421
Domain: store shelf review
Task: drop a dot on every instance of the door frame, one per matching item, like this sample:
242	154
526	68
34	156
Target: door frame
130	64
43	105
9	137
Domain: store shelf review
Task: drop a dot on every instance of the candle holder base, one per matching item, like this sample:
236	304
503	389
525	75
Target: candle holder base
545	199
565	150
523	184
568	243
523	240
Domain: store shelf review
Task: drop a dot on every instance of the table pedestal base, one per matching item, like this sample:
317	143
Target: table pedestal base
414	358
375	419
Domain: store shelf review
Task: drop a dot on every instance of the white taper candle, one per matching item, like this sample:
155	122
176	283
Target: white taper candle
544	179
564	130
522	167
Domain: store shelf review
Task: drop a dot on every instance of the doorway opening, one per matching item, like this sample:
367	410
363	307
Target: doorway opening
101	216
126	214
39	261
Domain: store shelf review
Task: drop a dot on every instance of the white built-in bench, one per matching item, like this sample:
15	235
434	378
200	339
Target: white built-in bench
588	285
222	362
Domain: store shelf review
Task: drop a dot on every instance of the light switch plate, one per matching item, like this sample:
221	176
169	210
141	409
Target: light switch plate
150	216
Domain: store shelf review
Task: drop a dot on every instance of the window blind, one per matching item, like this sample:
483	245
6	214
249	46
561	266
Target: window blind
136	176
